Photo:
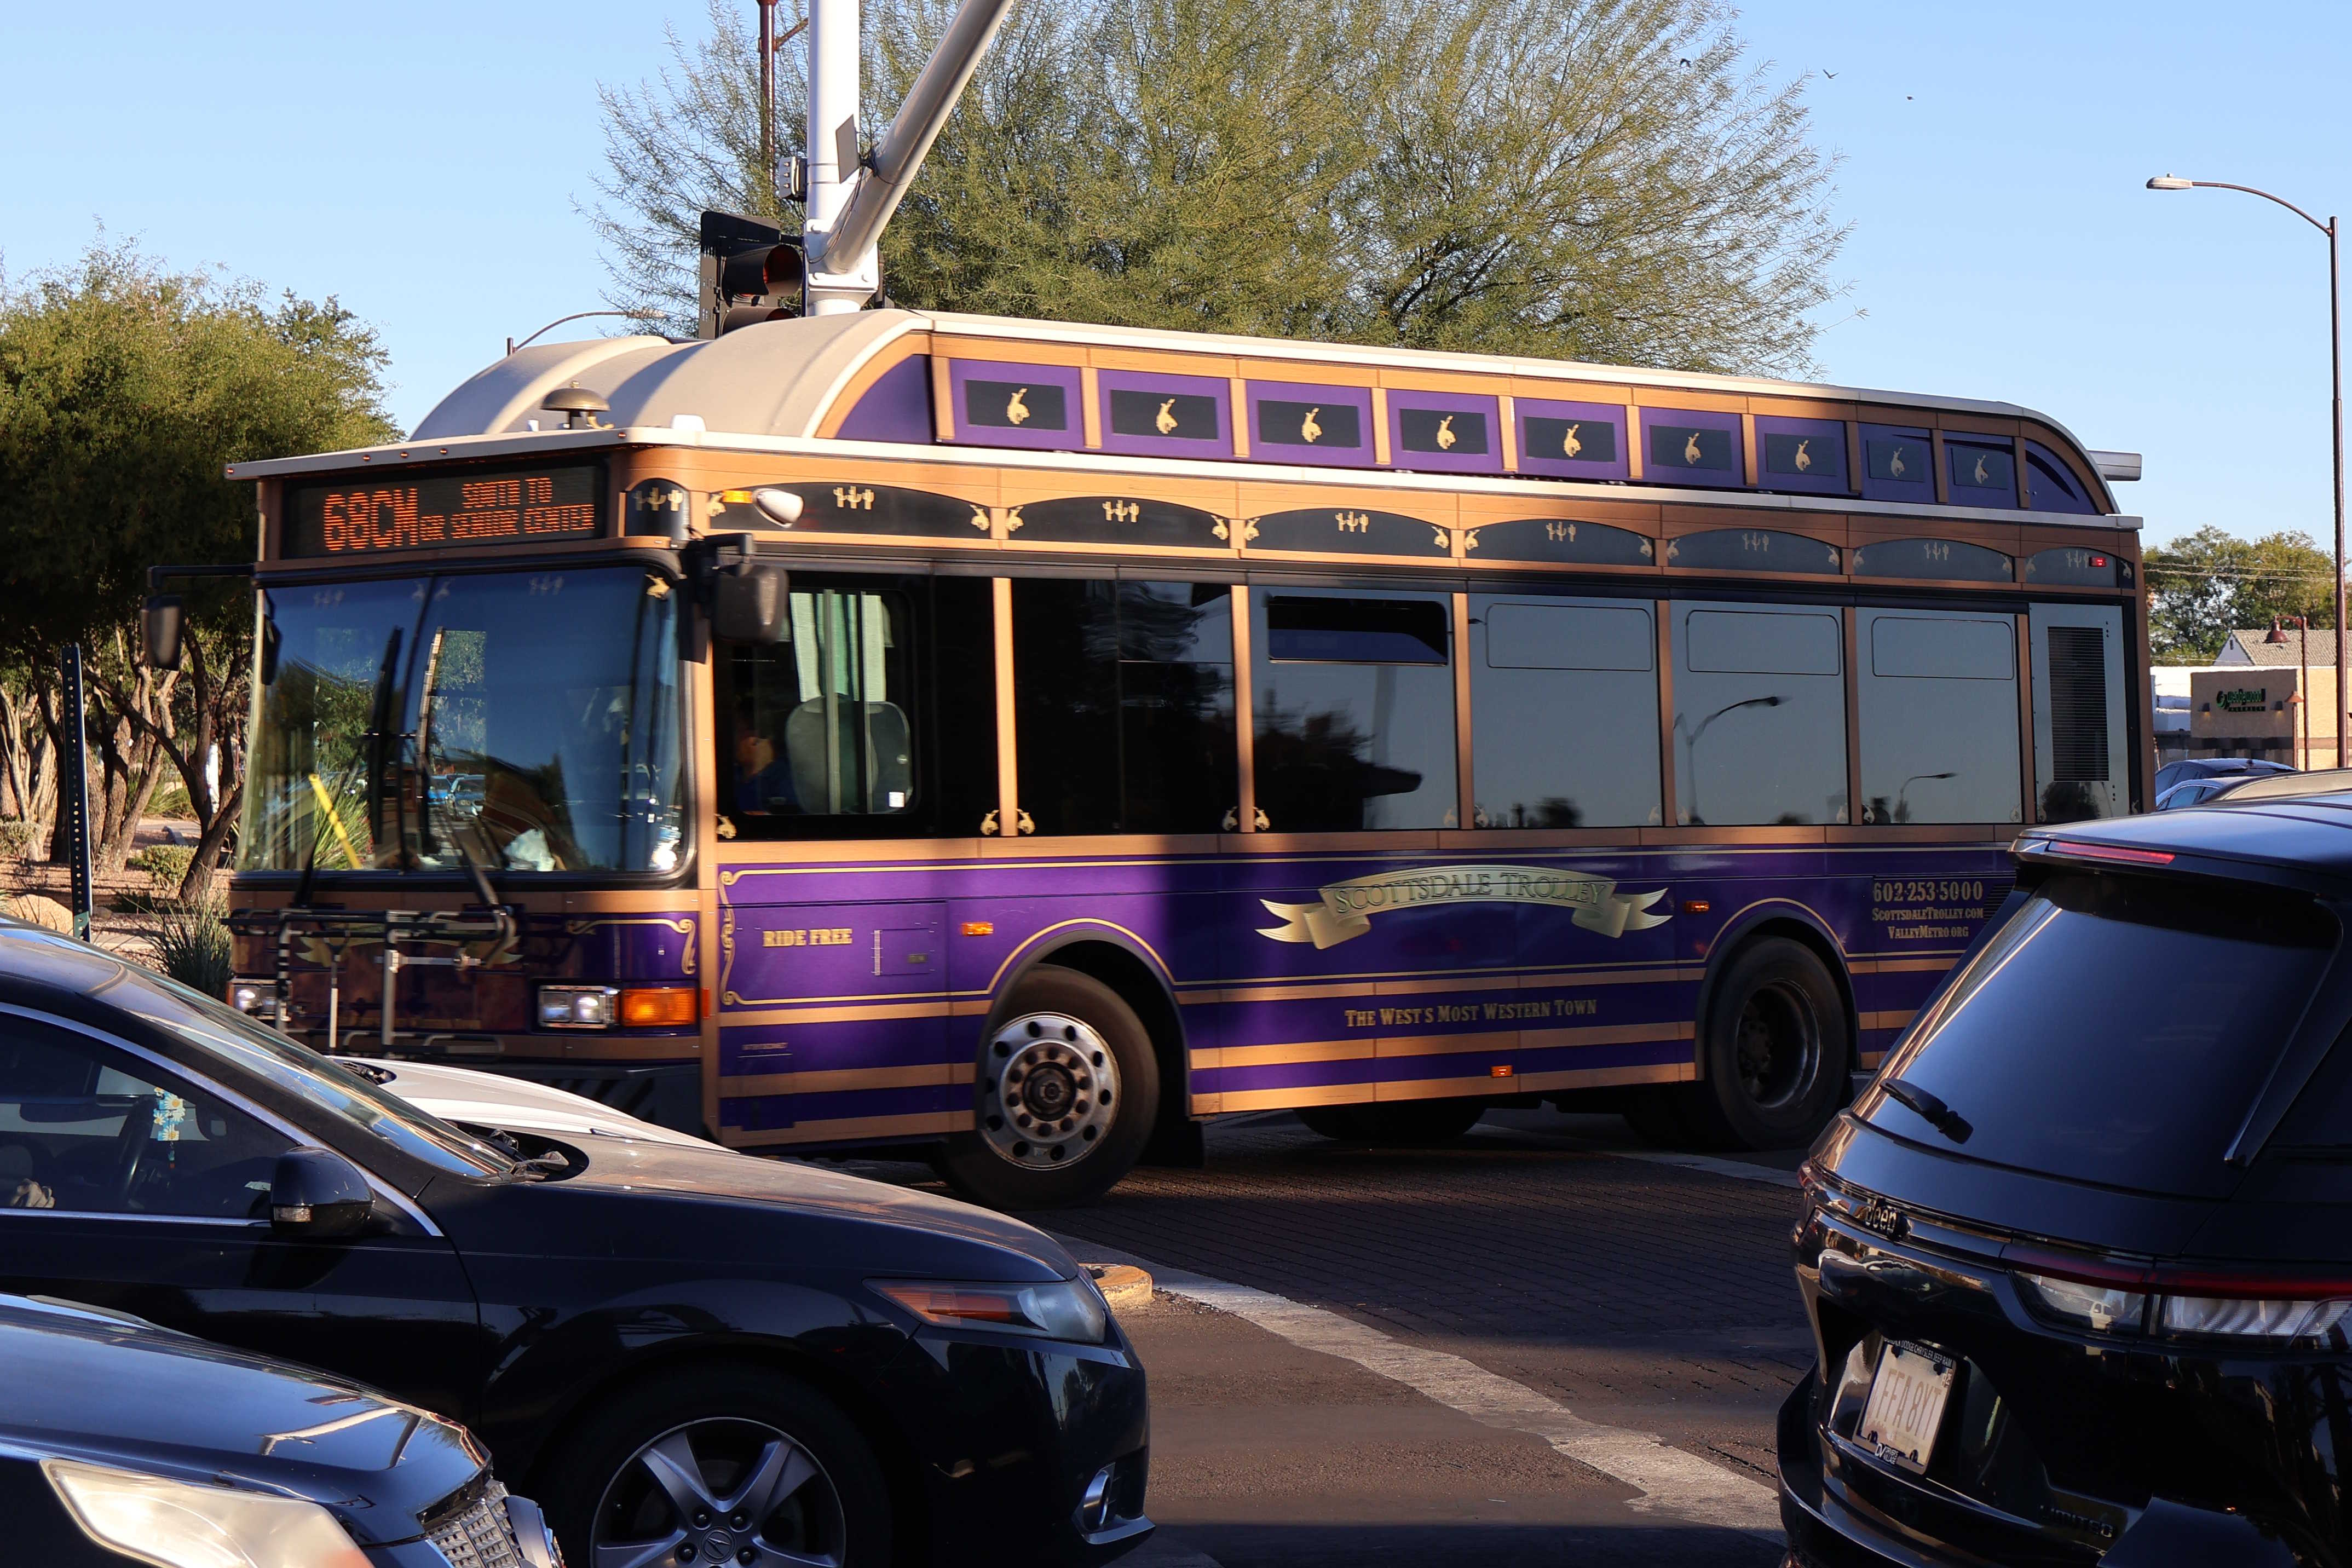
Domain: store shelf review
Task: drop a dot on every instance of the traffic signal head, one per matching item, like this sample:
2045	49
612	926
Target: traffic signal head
751	271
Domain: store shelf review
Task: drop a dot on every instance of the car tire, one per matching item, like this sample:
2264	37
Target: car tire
1061	1042
1410	1124
1774	1050
831	1499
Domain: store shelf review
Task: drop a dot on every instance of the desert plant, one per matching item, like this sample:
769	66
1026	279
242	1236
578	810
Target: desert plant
192	946
165	864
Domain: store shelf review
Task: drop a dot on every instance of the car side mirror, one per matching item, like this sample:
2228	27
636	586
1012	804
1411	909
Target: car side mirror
160	625
751	602
316	1194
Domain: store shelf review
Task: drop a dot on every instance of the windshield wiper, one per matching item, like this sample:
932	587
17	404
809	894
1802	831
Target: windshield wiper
425	755
1929	1109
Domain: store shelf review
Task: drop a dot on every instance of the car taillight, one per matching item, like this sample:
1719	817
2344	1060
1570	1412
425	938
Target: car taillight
2250	1318
2102	1308
2169	1303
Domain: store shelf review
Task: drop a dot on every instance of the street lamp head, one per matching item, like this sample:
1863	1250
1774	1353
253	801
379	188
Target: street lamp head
2171	183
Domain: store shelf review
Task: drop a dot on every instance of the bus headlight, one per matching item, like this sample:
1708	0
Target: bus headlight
578	1007
185	1526
258	997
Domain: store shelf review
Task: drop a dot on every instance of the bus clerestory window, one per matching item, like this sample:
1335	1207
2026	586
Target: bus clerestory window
1354	709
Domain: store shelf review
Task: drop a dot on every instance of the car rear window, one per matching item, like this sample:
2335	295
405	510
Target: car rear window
2116	1029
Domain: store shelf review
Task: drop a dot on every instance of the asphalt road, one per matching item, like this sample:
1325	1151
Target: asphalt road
1543	1345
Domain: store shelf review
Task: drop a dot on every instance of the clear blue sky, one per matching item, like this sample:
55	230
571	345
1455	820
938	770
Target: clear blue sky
423	164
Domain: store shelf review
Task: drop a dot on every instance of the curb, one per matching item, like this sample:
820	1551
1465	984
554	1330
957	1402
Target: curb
1122	1286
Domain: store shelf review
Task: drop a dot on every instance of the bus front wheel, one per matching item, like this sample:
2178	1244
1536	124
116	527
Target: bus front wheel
1772	1051
1065	1094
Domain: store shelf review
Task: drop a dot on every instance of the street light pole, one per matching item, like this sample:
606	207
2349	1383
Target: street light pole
2335	415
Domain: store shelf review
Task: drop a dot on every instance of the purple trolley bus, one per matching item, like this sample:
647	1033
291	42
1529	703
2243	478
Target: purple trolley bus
1037	741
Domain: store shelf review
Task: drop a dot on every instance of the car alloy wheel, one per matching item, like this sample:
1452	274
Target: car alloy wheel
724	1490
1049	1090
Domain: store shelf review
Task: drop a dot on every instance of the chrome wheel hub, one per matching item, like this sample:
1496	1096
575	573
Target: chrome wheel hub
1048	1090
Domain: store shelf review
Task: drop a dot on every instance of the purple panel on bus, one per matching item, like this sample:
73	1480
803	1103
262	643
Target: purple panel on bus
1152	415
1691	447
998	403
1898	463
898	407
1449	432
1803	455
1305	421
1572	440
1983	470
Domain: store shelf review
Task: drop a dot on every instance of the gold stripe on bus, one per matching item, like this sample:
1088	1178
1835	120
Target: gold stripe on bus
851	1129
1233	1100
746	1019
1499	1041
1412	983
1282	1055
837	1080
1890	1020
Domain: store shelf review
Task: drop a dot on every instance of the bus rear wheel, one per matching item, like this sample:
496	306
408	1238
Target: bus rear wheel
1411	1123
1772	1051
1065	1094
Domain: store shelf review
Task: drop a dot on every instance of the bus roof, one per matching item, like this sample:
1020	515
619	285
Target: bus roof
804	378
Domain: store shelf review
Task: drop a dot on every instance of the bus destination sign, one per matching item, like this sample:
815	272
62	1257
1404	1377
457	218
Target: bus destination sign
384	511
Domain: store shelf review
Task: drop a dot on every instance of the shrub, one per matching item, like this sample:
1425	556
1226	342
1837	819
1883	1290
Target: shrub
19	839
165	864
192	946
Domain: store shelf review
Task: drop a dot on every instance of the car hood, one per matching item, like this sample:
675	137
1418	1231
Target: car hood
709	1174
112	1390
469	1096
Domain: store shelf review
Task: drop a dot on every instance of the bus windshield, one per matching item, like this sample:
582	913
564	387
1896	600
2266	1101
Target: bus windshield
528	721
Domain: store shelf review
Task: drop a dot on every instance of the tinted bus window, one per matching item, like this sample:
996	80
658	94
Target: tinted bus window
2116	1029
1938	717
2081	763
1564	705
1123	698
871	720
1354	699
1759	716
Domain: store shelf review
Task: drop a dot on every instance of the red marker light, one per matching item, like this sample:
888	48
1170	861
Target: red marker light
2113	852
2098	561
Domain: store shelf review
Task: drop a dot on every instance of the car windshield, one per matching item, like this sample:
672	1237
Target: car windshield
527	720
326	1084
2116	1030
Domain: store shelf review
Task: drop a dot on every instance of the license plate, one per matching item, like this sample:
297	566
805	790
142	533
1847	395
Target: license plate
1906	1403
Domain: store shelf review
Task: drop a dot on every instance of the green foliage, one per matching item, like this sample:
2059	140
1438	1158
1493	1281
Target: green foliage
2205	585
166	864
125	388
192	946
1595	179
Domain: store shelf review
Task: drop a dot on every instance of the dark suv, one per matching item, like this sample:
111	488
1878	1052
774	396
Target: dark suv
2079	1262
691	1354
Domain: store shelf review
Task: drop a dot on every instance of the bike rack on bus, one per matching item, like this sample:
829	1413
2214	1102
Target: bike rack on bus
392	928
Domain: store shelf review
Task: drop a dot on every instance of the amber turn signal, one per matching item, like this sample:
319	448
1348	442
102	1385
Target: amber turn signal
980	928
656	1006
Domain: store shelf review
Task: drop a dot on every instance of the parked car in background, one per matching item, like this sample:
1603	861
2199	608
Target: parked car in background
2076	1261
120	1441
2232	768
686	1354
487	1102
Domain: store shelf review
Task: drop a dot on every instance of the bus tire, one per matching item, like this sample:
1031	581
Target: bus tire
1409	1124
1772	1050
1065	1094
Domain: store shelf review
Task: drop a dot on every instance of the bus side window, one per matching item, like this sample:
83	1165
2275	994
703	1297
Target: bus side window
815	727
1938	704
1123	693
1759	715
1354	699
1565	694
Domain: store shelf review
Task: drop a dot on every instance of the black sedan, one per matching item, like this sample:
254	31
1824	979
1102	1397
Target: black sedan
122	1440
2078	1262
685	1354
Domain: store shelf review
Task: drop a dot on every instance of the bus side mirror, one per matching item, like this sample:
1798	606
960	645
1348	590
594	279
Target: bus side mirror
161	625
752	604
